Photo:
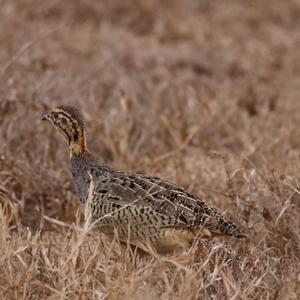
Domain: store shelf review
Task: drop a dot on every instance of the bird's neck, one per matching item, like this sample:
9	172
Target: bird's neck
78	146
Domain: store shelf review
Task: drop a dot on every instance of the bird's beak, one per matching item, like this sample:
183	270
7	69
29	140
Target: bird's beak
46	117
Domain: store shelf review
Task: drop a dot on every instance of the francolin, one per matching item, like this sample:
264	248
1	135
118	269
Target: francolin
149	212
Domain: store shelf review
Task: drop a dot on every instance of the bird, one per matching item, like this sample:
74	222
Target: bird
151	213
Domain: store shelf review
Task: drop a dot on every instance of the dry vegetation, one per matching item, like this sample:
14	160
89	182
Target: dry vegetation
204	93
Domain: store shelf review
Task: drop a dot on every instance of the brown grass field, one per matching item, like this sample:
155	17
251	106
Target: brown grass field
203	93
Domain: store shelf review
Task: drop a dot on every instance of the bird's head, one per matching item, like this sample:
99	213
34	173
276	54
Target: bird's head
68	121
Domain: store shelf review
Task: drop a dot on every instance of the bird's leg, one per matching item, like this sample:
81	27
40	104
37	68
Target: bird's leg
199	251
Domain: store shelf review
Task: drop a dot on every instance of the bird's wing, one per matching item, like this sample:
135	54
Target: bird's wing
192	210
165	199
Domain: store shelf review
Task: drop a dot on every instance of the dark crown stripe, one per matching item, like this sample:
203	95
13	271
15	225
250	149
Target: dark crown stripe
75	126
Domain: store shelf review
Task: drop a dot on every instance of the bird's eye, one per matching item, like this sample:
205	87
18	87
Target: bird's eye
63	122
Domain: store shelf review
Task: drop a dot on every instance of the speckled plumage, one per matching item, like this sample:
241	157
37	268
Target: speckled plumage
146	210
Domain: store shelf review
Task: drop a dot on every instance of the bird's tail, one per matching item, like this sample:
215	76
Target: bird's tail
228	228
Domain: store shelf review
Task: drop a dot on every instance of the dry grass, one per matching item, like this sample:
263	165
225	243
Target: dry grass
204	93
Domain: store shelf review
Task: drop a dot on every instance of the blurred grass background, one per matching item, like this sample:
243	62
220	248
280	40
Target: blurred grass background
203	93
